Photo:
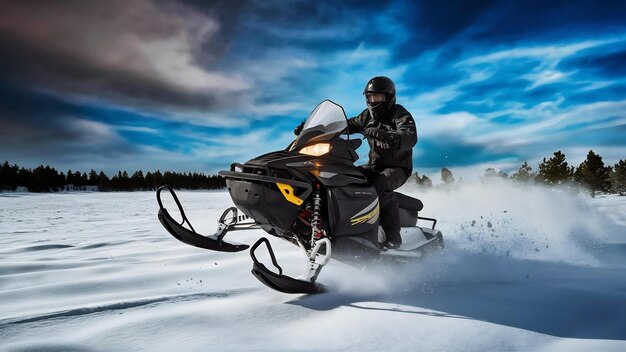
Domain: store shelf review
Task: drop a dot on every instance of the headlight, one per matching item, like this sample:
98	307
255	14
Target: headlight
316	149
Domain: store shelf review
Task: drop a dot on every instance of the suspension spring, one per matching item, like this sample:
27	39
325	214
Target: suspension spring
316	232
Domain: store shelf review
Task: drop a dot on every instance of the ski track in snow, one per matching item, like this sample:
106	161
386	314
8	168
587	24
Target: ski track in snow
525	268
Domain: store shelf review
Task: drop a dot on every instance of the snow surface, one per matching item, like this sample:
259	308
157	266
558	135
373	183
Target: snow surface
525	268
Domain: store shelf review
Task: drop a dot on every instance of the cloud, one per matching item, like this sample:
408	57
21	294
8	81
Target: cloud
68	140
515	104
550	122
604	61
138	129
184	83
545	77
91	132
133	53
450	123
547	53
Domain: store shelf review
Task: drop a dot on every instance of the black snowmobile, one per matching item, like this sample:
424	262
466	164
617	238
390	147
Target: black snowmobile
313	196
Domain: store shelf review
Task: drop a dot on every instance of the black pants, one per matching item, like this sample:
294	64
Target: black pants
385	182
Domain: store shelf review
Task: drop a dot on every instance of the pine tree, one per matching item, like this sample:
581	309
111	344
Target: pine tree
555	170
93	178
618	177
70	178
47	179
149	181
137	180
36	182
158	179
60	180
425	182
44	179
524	174
23	177
490	172
84	181
446	176
104	184
592	174
78	179
8	176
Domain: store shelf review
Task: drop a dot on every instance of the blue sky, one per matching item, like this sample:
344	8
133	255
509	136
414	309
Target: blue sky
195	85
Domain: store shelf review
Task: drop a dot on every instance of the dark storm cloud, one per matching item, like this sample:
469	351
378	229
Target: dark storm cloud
59	60
40	69
35	126
116	50
168	56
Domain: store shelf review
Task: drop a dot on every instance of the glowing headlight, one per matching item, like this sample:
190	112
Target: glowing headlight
316	149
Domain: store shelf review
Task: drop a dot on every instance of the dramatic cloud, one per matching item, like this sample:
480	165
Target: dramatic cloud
124	52
193	85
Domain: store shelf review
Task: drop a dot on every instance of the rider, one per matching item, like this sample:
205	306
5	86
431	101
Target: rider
391	134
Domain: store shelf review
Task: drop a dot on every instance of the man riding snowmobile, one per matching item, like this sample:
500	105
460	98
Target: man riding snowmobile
391	134
312	195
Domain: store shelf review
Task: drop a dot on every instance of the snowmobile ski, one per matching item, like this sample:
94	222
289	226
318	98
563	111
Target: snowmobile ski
280	282
190	236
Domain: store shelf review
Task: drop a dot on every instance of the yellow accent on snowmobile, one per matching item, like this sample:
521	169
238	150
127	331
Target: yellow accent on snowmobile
287	191
366	217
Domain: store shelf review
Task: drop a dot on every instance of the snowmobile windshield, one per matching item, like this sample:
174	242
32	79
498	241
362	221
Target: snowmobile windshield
324	123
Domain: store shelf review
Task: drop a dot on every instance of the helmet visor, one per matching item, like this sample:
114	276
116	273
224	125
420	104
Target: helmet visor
374	98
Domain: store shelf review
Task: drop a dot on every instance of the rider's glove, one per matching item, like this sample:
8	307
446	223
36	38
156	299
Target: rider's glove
298	128
381	137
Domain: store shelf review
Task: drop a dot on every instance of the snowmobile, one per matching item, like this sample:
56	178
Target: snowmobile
312	195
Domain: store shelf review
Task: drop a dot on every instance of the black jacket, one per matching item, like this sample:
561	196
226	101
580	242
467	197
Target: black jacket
397	121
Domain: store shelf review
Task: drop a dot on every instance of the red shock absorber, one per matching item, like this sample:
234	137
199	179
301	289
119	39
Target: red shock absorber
305	217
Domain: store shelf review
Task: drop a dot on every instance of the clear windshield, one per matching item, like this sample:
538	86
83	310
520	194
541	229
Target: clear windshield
323	124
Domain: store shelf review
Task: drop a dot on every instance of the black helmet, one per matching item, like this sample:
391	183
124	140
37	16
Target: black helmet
381	84
384	85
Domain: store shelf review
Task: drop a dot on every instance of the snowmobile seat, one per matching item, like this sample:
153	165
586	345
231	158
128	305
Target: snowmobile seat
410	203
408	207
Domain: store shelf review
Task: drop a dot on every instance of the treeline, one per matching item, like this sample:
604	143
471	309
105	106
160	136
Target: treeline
592	174
48	179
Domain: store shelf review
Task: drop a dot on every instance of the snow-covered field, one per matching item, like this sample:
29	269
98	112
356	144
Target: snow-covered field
525	268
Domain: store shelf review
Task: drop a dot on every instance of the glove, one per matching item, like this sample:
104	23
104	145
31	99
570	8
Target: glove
298	128
381	137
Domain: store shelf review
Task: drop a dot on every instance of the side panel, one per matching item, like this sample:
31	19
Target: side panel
355	210
265	205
